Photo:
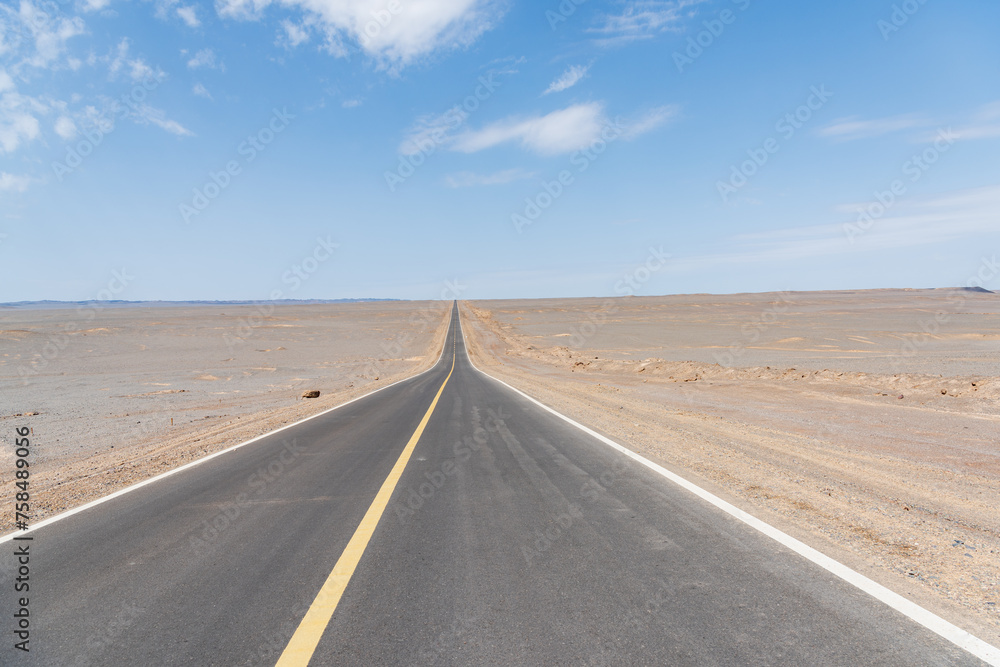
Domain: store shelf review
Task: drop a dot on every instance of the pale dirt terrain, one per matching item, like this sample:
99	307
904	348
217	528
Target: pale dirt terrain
835	416
105	388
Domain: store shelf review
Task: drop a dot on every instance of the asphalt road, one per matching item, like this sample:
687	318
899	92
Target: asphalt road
512	538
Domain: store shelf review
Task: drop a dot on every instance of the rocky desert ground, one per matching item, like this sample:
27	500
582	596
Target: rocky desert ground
866	424
115	395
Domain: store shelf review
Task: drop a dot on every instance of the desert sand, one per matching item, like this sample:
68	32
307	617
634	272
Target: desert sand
863	423
115	395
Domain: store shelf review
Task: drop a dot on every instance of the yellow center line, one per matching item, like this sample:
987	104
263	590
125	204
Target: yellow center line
303	643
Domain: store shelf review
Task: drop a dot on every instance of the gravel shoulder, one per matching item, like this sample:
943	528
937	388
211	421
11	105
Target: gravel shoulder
880	458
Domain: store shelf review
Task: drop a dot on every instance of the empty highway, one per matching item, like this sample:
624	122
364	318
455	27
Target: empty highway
444	520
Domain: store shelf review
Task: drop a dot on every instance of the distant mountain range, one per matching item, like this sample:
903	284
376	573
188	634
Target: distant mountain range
124	304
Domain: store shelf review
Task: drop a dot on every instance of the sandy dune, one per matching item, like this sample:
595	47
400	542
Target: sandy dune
136	391
864	423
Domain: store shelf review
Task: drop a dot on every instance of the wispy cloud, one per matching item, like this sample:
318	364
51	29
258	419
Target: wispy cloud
143	114
13	182
643	19
30	36
505	65
430	132
649	121
350	104
561	131
18	120
293	34
985	123
189	16
201	91
417	29
205	58
933	220
854	127
136	69
468	179
567	79
65	127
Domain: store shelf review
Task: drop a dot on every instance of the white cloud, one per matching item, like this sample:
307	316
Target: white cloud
568	79
189	16
643	19
429	132
35	37
294	34
65	127
135	68
12	182
848	129
558	132
419	28
201	91
172	126
204	58
143	114
649	121
95	5
6	83
139	70
15	129
467	179
18	123
350	104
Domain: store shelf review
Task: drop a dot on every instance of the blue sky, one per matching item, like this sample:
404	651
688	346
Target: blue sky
247	149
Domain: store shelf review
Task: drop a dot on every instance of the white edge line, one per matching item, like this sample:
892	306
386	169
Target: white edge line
121	492
956	635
